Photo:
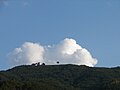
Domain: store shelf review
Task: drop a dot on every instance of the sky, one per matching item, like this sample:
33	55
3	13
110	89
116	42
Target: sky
93	24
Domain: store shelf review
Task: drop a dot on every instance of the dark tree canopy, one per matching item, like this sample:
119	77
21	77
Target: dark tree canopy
60	77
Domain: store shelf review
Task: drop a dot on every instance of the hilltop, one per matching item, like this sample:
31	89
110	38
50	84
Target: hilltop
60	77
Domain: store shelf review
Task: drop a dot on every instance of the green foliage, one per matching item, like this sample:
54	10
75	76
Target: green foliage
60	77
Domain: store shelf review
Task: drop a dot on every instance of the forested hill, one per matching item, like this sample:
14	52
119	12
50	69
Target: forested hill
60	77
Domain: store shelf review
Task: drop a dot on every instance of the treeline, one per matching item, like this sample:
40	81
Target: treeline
60	77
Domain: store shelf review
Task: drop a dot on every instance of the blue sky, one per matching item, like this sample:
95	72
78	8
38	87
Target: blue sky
94	24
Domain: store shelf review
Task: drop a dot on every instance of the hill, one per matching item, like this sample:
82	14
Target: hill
60	77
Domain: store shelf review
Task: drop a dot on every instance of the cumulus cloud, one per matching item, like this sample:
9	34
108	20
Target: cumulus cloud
28	53
66	52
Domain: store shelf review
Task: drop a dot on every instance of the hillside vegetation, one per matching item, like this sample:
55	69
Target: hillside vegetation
60	77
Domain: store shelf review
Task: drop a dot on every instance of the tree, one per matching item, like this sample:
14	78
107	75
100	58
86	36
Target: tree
57	62
43	63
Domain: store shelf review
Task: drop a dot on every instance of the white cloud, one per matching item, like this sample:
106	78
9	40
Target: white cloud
28	53
69	52
66	52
